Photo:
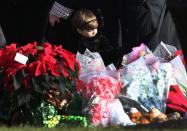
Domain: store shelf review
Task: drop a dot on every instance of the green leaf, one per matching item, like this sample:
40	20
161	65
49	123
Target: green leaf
39	47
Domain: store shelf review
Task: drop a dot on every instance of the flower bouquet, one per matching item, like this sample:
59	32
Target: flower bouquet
148	76
35	76
99	86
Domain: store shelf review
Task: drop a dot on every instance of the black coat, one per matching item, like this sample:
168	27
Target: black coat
24	21
61	32
148	21
107	10
99	43
73	4
179	13
110	12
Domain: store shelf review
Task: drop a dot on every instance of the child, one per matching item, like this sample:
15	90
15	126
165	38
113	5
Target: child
87	34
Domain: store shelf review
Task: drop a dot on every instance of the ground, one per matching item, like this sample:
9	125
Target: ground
178	125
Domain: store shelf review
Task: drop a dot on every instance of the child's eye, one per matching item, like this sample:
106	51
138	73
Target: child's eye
89	30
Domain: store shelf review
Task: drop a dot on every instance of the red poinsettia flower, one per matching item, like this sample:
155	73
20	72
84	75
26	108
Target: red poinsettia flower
30	48
13	68
7	55
51	64
68	57
11	47
37	68
48	49
1	52
47	65
43	64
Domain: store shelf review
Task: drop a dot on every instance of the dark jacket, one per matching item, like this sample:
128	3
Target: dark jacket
148	21
179	13
24	21
106	13
73	4
61	32
99	43
2	38
110	12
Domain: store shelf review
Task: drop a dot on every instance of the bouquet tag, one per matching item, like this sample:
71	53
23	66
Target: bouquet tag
21	58
111	67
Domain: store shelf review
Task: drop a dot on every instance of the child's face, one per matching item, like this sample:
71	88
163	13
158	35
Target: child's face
88	33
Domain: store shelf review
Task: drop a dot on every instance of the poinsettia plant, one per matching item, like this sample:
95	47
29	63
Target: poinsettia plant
50	69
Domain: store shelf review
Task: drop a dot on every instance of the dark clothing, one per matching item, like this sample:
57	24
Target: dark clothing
179	13
99	44
24	21
73	4
148	21
106	13
2	38
177	4
61	32
110	12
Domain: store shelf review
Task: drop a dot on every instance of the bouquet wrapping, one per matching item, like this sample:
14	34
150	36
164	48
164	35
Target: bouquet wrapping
99	88
148	78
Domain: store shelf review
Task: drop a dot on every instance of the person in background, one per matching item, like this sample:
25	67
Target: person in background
88	35
178	10
149	22
2	38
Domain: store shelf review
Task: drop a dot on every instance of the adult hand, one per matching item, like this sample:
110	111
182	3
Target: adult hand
53	19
